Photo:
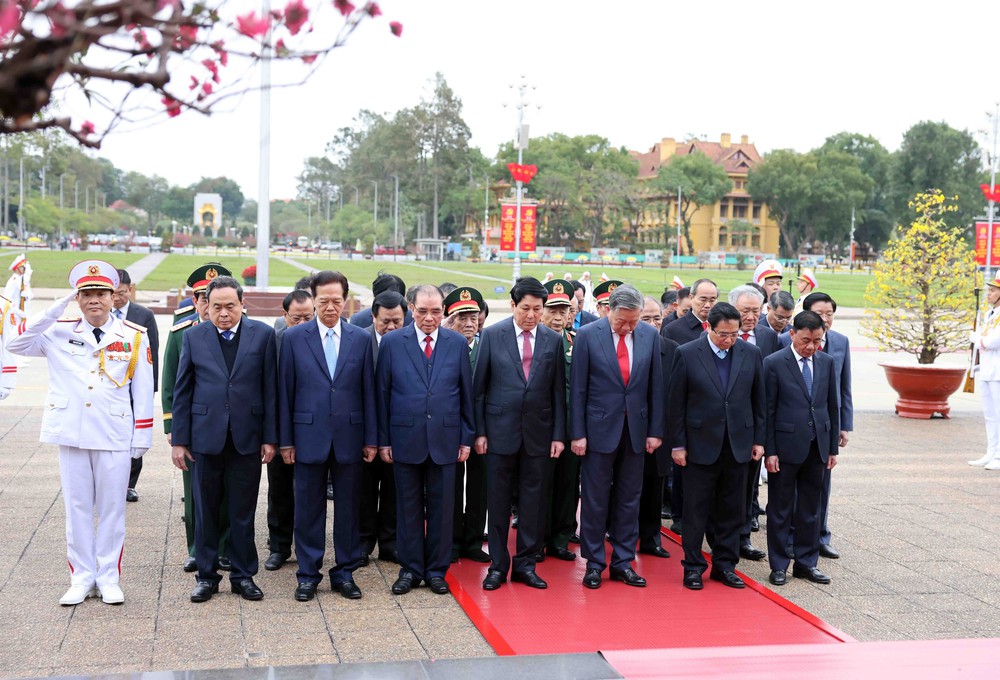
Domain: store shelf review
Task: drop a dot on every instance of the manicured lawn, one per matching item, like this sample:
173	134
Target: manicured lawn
50	268
175	269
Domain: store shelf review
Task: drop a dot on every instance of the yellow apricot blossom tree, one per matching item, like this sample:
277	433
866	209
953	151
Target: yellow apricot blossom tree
921	297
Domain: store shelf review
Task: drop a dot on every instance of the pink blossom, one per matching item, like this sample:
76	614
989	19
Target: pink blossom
219	47
194	83
396	28
186	37
296	15
343	6
87	128
207	88
10	18
280	49
173	106
308	58
60	18
373	9
252	26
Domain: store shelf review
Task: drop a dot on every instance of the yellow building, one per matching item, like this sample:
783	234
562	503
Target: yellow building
712	226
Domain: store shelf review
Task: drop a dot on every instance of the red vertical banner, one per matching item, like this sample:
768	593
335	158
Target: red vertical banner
508	222
982	229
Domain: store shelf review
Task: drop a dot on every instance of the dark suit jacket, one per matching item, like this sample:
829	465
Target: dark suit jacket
144	317
421	415
363	318
767	340
668	350
669	319
375	346
602	401
794	415
838	346
702	409
586	317
511	411
684	330
317	413
209	402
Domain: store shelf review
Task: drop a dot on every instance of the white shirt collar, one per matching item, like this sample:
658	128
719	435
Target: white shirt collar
715	348
323	328
123	310
799	357
520	331
421	335
233	329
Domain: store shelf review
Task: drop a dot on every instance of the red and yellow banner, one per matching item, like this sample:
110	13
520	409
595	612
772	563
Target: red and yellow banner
981	239
529	231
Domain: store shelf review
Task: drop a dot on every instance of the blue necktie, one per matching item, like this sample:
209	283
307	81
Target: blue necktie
722	353
330	351
118	314
807	375
227	335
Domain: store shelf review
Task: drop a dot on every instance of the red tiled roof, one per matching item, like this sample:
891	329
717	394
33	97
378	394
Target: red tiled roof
737	159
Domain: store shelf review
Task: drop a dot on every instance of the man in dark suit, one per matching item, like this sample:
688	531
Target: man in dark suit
803	433
749	302
582	317
462	309
617	387
780	309
838	346
326	405
299	309
126	310
656	468
704	295
717	424
425	426
520	388
226	414
383	282
681	305
378	484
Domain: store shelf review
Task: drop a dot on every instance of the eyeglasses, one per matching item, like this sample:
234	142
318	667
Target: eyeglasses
727	336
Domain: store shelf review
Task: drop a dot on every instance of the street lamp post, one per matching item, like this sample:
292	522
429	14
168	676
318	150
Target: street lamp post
395	207
375	207
521	140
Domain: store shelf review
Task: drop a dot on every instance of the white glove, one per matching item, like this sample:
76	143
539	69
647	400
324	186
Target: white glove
4	393
138	452
59	308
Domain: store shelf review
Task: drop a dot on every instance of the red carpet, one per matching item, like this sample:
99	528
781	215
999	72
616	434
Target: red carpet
921	660
568	618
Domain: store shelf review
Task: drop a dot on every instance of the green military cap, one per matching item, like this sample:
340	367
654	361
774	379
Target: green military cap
603	290
559	293
203	275
463	299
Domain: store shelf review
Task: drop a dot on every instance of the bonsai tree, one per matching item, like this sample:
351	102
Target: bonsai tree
920	298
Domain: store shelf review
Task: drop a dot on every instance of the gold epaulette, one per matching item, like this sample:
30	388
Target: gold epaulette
182	324
168	416
70	318
134	326
184	310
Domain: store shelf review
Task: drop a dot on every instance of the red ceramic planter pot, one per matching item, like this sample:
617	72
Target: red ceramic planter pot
923	389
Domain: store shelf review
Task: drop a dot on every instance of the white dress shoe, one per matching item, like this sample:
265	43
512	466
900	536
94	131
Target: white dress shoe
112	594
980	462
77	594
993	464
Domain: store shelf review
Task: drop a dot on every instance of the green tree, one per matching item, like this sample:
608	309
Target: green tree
700	182
939	156
875	216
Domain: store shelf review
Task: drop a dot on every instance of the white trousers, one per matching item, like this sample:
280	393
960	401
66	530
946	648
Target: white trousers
991	413
94	483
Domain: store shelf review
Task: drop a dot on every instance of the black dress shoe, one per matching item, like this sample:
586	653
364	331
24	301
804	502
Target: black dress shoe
692	580
477	555
778	577
655	551
190	565
810	574
388	556
365	560
727	578
405	583
677	527
755	524
748	552
528	578
539	556
131	496
247	589
574	538
665	513
628	577
225	564
592	579
829	552
274	561
305	591
494	579
561	554
204	590
348	589
438	585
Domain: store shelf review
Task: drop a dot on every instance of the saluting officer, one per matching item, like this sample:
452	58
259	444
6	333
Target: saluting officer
8	363
189	317
99	411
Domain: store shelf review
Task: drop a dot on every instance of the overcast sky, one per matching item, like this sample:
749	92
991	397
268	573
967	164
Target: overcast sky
787	74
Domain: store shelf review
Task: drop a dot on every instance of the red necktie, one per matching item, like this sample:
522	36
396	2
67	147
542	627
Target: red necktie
704	325
427	346
526	355
745	336
623	359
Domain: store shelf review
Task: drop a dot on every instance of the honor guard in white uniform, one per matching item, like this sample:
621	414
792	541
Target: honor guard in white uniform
8	362
18	290
99	412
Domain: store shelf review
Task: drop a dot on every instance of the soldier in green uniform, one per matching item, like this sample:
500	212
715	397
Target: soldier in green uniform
185	318
564	474
463	307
